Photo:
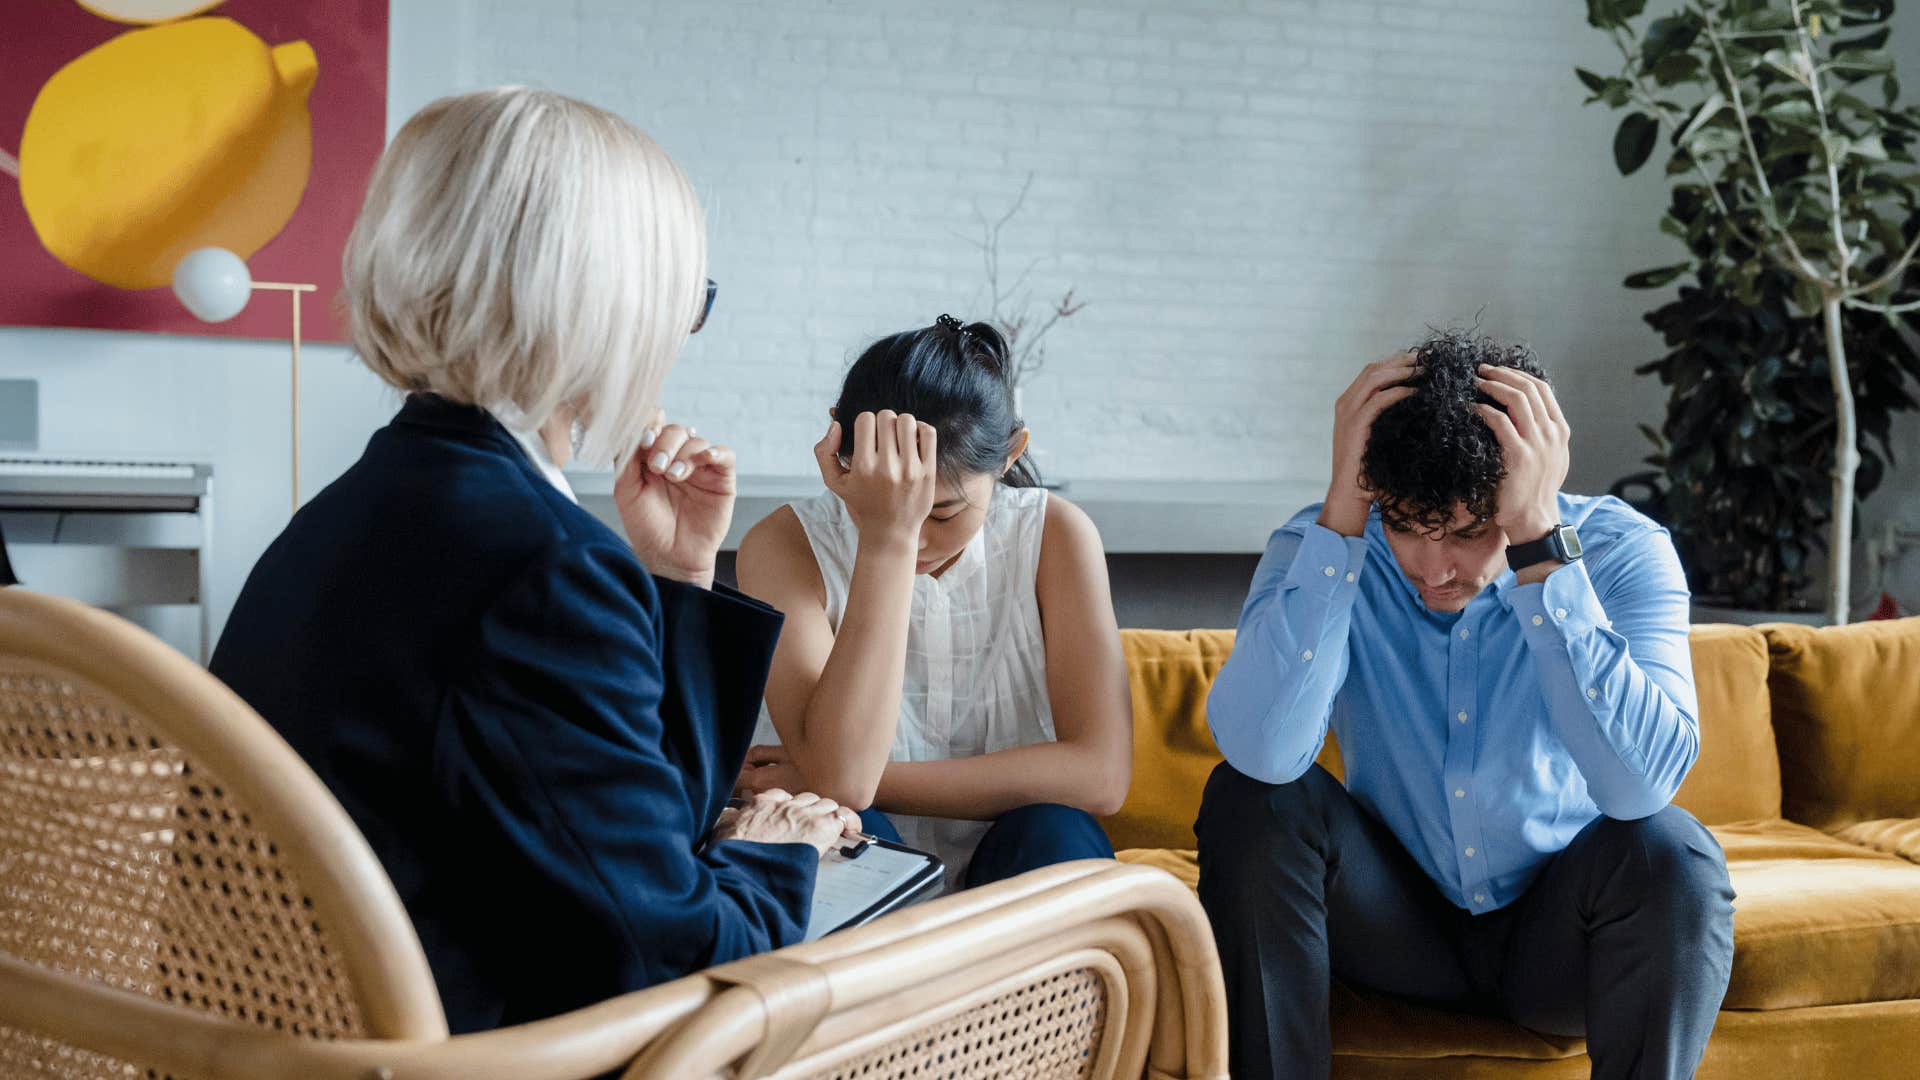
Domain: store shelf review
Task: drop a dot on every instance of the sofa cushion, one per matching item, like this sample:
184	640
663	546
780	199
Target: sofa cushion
1846	705
1173	748
1895	836
1737	777
1817	921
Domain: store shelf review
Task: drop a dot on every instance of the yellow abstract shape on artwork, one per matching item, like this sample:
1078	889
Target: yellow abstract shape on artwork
163	140
147	12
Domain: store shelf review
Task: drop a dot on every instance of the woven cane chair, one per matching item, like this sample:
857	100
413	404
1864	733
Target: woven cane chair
1086	970
181	897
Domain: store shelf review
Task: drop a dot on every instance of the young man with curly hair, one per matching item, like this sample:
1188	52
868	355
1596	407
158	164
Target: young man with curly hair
1506	669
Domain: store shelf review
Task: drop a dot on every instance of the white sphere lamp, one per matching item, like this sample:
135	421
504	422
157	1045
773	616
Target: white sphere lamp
213	284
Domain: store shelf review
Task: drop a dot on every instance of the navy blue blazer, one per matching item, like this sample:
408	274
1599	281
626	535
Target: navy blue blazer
535	735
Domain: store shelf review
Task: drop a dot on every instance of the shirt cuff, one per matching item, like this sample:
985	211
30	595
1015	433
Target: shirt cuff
1327	562
1561	607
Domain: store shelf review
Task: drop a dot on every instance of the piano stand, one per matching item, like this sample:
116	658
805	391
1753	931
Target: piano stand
115	534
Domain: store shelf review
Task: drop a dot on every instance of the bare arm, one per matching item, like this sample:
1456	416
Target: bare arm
835	697
1091	764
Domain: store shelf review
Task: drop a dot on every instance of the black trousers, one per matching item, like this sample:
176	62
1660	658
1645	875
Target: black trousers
1022	839
1626	937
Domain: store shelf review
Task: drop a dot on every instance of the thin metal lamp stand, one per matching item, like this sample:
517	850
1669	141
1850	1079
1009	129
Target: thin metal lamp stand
294	290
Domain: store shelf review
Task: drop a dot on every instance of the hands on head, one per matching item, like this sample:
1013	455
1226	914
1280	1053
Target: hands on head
1528	424
887	481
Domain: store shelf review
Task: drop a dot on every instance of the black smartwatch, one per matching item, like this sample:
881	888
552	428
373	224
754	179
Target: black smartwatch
1561	544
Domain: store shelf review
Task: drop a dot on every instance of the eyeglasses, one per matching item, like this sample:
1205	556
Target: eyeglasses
707	308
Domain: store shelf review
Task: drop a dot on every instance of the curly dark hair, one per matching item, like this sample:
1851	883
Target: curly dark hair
1432	451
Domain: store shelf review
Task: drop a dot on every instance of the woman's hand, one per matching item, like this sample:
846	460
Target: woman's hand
775	817
768	768
675	498
888	483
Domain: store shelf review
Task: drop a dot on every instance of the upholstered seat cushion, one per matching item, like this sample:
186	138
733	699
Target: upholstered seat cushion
1817	921
1895	836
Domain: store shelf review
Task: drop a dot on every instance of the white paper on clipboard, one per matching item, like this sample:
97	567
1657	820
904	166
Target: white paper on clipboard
868	885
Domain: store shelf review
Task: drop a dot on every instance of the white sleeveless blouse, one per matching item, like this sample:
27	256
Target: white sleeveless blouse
976	678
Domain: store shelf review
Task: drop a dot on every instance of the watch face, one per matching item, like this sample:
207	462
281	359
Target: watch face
1569	542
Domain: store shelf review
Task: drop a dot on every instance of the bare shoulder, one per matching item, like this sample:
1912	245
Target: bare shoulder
1069	544
776	559
1068	528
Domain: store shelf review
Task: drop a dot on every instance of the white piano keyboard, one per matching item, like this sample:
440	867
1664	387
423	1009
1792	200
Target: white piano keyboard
64	468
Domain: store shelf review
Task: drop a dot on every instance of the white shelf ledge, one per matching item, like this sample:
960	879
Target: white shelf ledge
1135	517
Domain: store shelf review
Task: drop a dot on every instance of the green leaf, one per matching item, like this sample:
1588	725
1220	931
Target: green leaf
1609	13
1653	279
1714	140
1806	295
1890	90
1708	109
1633	142
1782	61
1595	83
1862	63
1675	68
1793	112
1666	36
1763	18
1869	147
1841	100
1875	40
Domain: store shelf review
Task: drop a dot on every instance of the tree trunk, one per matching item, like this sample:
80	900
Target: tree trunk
1846	462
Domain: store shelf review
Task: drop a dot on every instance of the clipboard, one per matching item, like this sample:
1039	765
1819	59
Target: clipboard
857	883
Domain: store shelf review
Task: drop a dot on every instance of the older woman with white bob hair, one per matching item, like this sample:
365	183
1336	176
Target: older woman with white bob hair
536	722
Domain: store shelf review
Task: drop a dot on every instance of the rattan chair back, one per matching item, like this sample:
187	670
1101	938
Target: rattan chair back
157	836
1085	971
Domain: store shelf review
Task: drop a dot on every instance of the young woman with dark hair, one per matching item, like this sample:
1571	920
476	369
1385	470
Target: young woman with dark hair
950	662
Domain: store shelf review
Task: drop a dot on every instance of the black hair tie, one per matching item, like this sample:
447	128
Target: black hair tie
948	322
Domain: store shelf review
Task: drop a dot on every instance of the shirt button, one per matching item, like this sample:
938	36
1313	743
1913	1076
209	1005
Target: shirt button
1327	570
1592	693
1307	654
1464	633
1349	575
1461	716
1479	898
1469	853
1537	620
1459	793
1559	613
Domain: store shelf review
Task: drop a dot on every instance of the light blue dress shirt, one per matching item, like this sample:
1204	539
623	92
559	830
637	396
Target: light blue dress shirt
1485	739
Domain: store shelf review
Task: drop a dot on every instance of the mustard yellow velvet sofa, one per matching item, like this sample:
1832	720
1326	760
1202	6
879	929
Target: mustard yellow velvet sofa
1809	775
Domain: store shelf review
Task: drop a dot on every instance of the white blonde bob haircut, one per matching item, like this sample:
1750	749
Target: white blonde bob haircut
526	252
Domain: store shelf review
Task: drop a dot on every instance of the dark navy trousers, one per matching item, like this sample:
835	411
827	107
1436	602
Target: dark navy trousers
1626	937
1020	840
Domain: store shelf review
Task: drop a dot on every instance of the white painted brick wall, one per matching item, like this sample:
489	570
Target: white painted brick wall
1254	197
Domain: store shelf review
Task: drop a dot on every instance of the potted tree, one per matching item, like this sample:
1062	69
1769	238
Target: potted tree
1796	198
